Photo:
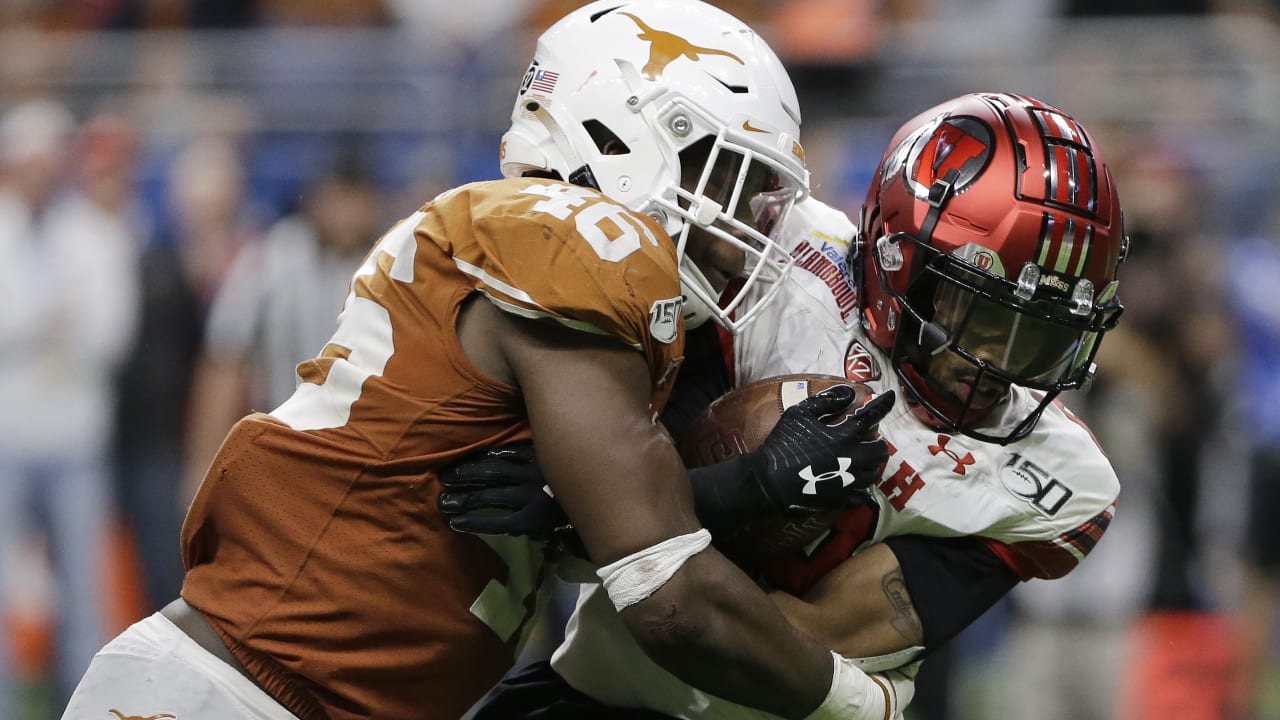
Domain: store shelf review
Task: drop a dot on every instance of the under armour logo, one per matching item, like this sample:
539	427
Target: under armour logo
122	716
811	481
960	462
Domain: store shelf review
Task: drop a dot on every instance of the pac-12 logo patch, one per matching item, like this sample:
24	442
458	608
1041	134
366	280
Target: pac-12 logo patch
859	364
664	319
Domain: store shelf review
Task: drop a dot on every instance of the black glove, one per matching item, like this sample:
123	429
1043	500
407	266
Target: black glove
501	492
803	466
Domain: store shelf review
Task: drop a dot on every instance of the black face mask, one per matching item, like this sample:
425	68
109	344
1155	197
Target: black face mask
986	338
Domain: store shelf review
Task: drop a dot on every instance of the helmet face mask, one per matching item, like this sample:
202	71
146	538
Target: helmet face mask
979	273
733	205
678	111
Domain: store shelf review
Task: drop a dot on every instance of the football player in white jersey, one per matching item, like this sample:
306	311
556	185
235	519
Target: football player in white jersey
977	286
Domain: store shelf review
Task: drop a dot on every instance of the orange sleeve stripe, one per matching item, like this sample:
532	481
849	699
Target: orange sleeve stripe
890	697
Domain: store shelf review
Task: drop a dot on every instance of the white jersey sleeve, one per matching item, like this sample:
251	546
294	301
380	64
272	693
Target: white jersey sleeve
1042	503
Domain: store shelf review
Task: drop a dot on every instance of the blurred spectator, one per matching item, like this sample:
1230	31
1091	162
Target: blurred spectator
829	48
207	207
1255	297
1116	639
207	225
153	385
181	268
1174	299
67	300
279	305
1067	643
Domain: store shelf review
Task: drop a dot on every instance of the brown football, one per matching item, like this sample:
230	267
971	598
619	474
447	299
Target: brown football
738	422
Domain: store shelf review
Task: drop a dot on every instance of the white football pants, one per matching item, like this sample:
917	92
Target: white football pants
153	670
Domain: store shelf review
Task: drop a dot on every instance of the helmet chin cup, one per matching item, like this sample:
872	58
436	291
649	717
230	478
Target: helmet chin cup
696	311
701	301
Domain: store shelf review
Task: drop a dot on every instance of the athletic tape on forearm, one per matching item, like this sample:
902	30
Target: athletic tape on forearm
636	576
855	695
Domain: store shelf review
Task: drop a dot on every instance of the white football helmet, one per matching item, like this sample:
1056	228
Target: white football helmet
618	90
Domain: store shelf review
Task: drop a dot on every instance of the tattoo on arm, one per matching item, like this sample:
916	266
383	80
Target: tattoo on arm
904	619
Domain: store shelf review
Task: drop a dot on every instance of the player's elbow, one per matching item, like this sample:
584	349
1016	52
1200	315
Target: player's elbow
675	619
678	601
684	621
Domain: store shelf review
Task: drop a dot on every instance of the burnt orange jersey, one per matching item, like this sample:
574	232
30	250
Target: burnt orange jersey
314	544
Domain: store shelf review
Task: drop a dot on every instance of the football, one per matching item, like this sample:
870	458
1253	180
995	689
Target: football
738	422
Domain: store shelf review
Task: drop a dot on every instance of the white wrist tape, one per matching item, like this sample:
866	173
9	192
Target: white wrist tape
888	661
636	576
855	695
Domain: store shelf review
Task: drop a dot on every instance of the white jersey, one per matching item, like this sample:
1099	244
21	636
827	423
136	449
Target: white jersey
1041	502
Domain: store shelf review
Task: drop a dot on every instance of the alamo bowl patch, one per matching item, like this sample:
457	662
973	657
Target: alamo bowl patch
664	319
859	364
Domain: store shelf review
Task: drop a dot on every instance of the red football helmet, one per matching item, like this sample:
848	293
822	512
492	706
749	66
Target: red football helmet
990	240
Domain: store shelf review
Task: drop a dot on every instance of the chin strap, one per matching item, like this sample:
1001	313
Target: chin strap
582	176
939	193
558	136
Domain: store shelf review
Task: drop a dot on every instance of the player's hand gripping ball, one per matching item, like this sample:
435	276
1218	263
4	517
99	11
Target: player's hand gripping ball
815	493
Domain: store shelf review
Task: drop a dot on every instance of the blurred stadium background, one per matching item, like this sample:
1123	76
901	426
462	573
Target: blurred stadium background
202	125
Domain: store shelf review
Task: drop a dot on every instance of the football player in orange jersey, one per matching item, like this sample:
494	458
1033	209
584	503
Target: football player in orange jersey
322	581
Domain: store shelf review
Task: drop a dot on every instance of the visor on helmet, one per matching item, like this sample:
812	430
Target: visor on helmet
1031	349
1039	331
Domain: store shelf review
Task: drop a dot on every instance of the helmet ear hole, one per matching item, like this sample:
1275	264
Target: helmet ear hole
607	142
693	160
696	153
